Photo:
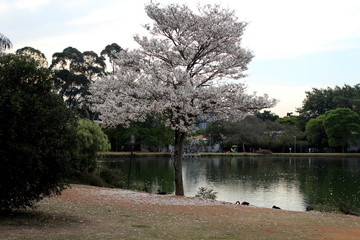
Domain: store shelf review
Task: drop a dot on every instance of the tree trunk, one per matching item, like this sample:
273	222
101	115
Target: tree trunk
178	156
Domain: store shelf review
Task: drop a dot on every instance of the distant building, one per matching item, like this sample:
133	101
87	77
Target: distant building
202	125
202	120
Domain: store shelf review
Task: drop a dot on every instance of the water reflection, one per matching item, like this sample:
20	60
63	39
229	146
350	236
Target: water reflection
291	183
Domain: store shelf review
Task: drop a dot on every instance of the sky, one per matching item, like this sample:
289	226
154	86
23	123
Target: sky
298	44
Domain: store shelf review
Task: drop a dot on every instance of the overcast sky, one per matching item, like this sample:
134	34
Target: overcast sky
298	44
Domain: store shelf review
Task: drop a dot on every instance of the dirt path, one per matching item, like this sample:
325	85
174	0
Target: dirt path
85	212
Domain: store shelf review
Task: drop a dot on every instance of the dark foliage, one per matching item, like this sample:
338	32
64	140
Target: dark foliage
318	101
267	116
72	73
36	135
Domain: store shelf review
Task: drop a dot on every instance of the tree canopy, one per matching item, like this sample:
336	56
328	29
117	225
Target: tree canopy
267	116
72	73
110	51
177	73
315	131
90	141
35	54
5	43
318	101
341	126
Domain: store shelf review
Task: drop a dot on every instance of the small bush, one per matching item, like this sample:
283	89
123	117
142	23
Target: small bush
264	151
206	193
338	206
113	177
344	207
92	179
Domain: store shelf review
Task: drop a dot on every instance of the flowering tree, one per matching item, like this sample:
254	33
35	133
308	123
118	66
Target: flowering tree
177	72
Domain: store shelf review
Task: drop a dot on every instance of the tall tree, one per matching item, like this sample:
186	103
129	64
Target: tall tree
94	66
110	52
72	72
178	72
5	43
34	54
341	126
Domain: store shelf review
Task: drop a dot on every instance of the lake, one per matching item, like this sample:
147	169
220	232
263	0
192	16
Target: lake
292	183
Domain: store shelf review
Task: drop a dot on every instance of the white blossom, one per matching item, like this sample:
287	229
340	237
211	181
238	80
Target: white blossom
180	72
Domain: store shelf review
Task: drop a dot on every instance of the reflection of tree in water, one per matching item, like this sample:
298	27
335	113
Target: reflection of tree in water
297	179
330	182
151	173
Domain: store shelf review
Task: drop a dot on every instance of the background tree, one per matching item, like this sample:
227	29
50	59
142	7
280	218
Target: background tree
267	116
90	141
318	101
288	120
215	131
5	43
110	52
69	79
72	72
37	138
151	134
341	126
315	132
94	66
288	135
177	74
270	134
35	54
244	132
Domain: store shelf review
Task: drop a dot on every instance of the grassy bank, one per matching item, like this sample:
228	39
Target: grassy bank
85	212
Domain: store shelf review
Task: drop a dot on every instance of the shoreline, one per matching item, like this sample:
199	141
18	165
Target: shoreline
111	154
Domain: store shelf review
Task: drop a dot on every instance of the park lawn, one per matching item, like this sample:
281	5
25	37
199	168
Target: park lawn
85	212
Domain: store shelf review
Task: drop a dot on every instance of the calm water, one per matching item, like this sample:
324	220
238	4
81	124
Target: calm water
290	183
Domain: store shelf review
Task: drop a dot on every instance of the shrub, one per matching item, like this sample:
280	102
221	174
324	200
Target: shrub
91	179
113	177
206	193
344	207
338	206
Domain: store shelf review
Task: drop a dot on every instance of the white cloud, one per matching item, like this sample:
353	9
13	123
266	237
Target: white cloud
290	97
26	4
283	29
4	6
277	28
98	16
